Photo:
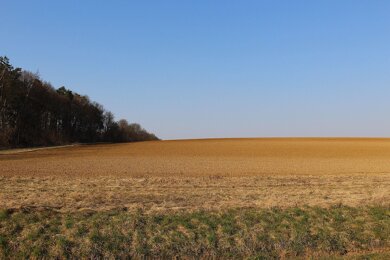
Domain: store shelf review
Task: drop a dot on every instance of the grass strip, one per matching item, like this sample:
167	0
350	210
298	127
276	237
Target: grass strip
338	231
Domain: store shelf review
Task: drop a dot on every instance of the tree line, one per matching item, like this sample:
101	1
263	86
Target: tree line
34	113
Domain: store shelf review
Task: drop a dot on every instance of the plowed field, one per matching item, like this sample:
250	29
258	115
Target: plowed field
199	174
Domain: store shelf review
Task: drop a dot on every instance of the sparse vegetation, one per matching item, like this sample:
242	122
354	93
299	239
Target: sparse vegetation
259	233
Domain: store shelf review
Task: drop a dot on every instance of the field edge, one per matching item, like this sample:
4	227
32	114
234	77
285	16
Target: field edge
337	231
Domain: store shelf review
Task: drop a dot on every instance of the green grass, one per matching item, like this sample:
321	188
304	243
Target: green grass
339	231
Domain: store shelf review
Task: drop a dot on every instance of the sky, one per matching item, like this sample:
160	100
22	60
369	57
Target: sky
220	68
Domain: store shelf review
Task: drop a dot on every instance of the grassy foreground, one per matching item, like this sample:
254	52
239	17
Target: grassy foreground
259	233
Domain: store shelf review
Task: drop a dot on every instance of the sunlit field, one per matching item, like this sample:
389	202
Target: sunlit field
215	197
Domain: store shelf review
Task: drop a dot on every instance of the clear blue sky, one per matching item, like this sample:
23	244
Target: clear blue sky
190	69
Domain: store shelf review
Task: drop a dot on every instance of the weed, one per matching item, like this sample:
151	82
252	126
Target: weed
4	215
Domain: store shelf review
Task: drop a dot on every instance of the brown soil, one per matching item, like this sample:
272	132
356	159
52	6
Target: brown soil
193	174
